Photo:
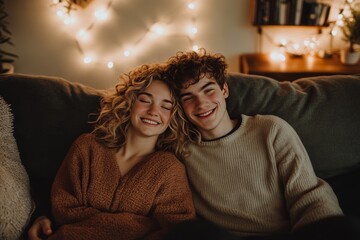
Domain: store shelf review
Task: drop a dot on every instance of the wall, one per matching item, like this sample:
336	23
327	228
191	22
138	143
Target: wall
46	46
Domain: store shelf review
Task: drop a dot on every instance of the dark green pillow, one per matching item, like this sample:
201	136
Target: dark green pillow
324	111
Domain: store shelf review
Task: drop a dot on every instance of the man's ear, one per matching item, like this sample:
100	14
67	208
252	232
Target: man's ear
225	90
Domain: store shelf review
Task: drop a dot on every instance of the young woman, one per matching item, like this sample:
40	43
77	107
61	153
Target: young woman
123	180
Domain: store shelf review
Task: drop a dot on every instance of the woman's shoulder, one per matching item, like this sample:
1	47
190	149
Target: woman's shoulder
87	141
85	138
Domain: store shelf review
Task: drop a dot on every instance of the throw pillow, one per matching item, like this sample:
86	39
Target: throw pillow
15	199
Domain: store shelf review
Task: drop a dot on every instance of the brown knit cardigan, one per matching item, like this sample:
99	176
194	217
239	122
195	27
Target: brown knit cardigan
91	200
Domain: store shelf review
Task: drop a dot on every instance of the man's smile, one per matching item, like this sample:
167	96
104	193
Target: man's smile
205	114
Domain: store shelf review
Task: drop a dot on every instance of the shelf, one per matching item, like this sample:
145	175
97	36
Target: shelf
294	67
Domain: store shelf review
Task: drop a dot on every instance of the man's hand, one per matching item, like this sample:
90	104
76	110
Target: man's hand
41	229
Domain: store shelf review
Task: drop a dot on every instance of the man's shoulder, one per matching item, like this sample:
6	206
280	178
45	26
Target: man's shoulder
264	118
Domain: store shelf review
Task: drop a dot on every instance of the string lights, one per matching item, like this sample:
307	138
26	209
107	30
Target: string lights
81	24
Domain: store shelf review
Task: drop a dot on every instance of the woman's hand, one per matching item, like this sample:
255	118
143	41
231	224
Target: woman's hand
41	229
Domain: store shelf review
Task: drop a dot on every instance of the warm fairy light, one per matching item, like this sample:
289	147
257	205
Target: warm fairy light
69	20
283	42
101	14
88	59
191	5
296	46
278	54
158	28
83	33
334	32
60	13
193	30
110	64
127	53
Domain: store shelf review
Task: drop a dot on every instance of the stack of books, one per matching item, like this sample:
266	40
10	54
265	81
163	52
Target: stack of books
291	12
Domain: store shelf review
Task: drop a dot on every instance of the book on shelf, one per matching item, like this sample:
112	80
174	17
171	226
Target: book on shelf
291	12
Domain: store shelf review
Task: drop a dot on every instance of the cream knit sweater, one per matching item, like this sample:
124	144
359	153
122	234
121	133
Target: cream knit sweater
258	180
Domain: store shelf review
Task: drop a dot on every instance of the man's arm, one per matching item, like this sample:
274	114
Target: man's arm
308	197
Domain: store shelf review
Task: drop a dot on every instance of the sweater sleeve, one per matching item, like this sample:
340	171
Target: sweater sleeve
308	197
68	198
122	226
173	203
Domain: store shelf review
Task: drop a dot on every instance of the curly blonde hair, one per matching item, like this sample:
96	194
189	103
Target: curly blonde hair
187	68
113	120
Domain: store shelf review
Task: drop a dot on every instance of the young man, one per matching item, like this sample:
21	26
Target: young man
250	175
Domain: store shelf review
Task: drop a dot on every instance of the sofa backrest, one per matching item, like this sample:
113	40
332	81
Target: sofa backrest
324	111
50	113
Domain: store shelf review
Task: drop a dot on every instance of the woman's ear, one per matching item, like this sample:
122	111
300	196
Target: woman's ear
225	90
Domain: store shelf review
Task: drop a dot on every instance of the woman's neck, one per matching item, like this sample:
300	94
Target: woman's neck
136	147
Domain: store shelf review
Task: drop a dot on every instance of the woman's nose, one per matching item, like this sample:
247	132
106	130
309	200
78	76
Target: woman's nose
153	110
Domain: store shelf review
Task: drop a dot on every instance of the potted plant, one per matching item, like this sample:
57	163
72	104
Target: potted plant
6	58
351	33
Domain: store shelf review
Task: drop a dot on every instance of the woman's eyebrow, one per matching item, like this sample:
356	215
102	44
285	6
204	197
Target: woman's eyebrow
151	96
146	93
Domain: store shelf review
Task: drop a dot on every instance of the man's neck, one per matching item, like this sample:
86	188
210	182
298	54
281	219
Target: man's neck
227	126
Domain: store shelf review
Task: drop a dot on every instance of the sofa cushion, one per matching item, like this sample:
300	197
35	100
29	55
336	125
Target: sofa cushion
324	111
49	114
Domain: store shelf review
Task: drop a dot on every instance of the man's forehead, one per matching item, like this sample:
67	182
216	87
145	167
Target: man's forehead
197	84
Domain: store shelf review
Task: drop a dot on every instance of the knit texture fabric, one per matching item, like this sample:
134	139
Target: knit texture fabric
258	180
91	200
15	199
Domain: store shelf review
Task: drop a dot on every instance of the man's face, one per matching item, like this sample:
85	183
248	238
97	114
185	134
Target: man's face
205	107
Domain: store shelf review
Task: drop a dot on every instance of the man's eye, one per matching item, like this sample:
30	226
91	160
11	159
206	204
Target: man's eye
186	99
209	90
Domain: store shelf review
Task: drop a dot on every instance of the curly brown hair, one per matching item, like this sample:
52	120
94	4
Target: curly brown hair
113	120
187	68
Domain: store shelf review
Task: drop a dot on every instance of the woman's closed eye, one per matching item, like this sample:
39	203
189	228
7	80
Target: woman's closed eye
167	107
144	99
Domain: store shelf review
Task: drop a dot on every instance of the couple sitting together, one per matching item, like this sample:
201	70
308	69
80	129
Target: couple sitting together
165	161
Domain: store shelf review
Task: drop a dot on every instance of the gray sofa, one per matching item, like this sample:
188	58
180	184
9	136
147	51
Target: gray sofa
50	112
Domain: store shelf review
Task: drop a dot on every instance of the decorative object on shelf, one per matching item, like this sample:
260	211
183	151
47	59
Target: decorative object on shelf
6	58
350	26
71	5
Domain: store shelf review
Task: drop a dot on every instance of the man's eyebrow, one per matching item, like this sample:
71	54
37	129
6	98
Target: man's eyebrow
202	88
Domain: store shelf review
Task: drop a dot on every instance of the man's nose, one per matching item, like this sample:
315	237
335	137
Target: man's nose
200	101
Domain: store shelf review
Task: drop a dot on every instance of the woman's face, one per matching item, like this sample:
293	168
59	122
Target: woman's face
150	115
